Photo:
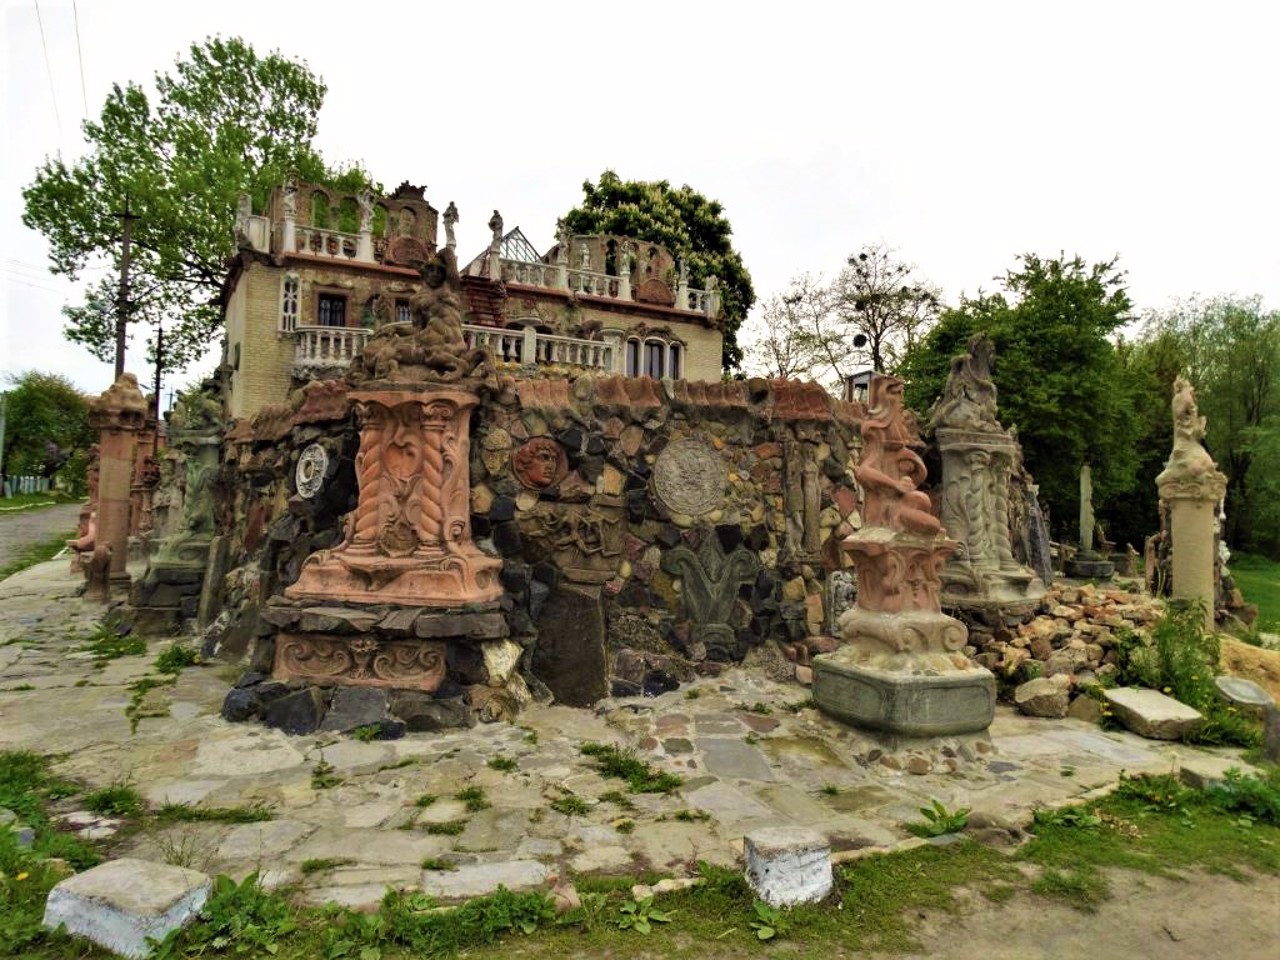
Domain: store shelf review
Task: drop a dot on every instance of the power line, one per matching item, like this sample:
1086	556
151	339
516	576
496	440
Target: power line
84	97
48	67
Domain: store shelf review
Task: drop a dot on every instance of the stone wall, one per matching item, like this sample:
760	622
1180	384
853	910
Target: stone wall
648	531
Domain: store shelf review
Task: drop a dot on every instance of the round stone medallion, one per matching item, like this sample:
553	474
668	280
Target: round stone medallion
540	463
689	477
312	466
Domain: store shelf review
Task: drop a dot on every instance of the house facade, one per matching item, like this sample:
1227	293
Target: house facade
318	271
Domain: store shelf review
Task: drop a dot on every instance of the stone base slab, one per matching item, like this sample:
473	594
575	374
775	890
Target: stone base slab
1089	569
122	903
905	703
788	865
360	661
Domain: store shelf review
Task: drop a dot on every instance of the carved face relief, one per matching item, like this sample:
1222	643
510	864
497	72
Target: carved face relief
313	464
689	477
540	463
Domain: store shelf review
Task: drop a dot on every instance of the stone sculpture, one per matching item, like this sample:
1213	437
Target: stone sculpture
689	477
540	463
901	669
119	414
1191	487
710	581
978	458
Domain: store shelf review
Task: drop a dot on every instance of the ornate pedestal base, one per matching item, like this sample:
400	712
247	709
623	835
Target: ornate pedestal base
1089	568
910	703
170	591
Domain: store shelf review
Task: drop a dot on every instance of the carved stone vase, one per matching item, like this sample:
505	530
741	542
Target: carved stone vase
408	542
901	670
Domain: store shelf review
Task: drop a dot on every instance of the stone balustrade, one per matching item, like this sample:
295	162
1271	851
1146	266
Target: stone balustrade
531	274
529	347
318	347
320	242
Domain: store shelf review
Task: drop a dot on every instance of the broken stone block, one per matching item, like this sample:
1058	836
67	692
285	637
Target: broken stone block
297	713
1151	714
788	865
1044	697
1085	708
481	879
121	903
355	707
422	713
1244	694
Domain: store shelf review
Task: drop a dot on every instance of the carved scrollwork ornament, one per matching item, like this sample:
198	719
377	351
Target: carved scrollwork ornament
309	475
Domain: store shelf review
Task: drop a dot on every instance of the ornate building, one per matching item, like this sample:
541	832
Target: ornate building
319	271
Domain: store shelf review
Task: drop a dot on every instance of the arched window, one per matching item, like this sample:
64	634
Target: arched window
632	366
655	355
675	361
320	209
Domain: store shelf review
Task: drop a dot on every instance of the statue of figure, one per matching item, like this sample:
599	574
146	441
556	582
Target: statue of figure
968	401
562	242
584	257
244	210
450	221
495	227
684	270
437	310
289	198
1189	456
364	199
889	470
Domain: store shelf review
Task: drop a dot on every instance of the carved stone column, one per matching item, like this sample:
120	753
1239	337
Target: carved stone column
1191	487
409	539
901	670
118	414
977	458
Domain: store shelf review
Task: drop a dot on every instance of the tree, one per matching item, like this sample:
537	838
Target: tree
692	227
46	424
882	308
1229	348
1059	376
870	315
225	121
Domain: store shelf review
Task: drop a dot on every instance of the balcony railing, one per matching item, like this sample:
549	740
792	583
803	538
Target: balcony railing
320	347
327	243
529	349
531	274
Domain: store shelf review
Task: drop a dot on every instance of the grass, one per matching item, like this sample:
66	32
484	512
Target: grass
322	776
504	764
110	640
449	828
320	864
195	813
175	658
1259	581
117	800
625	765
136	709
473	798
36	553
1151	826
426	800
25	501
571	805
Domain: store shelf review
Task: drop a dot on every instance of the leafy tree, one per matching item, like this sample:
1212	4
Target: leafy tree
46	424
223	122
782	336
1060	378
1229	348
683	220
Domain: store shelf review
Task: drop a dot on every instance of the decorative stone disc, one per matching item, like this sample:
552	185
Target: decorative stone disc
313	464
540	463
689	477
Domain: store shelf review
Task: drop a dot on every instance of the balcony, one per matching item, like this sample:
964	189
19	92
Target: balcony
528	351
318	349
318	242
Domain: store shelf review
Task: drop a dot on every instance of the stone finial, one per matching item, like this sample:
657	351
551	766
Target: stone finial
1190	470
450	221
121	406
684	270
289	196
244	210
889	470
968	401
364	199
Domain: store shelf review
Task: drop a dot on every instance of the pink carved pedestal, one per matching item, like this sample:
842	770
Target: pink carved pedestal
118	414
408	542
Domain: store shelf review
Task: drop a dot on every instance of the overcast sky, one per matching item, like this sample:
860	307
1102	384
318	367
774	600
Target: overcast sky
959	133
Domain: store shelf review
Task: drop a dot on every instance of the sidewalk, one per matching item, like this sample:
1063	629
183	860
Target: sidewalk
745	766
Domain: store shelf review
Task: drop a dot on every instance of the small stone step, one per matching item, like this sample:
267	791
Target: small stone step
121	903
1151	714
788	865
479	879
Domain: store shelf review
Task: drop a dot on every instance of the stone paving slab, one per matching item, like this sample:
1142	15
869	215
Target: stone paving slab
778	764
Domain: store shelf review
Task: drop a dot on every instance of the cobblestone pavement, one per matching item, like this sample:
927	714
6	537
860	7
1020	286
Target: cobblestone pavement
22	528
752	753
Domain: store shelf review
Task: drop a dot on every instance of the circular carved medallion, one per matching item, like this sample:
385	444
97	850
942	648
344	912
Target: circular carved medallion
689	477
313	464
540	463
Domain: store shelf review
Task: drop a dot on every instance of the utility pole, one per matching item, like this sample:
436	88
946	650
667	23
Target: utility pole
122	301
155	395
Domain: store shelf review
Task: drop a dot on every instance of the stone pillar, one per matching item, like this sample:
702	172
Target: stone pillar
1191	486
409	539
118	414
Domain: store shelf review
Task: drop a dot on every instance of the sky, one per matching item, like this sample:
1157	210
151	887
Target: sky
959	134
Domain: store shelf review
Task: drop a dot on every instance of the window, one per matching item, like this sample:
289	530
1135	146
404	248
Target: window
633	358
331	310
289	303
675	366
403	313
654	354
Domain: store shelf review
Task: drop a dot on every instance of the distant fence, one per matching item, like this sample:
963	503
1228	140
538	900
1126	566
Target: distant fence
19	485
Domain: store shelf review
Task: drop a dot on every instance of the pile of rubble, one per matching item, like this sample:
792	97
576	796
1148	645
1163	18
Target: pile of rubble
1044	665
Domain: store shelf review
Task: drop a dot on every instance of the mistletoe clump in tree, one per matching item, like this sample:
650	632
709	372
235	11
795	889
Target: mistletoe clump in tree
225	121
684	221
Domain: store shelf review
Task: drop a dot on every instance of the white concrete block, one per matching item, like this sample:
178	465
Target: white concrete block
788	865
121	903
